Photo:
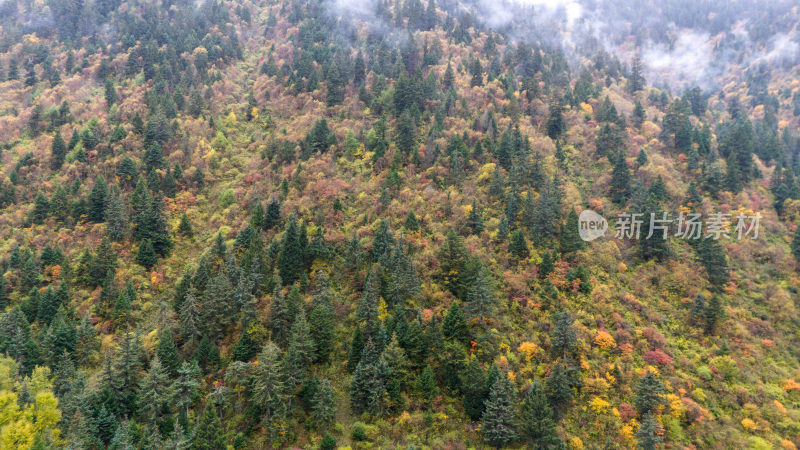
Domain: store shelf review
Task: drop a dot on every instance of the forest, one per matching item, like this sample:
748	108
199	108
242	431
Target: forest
354	224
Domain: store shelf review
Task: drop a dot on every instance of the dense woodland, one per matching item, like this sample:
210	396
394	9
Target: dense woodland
229	224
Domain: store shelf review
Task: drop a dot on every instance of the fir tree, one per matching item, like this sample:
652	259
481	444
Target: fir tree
322	319
497	421
570	237
481	301
648	433
97	200
154	393
563	338
620	182
559	389
648	394
146	256
454	326
185	227
369	382
58	152
268	384
425	385
290	261
168	353
300	353
323	405
209	434
536	421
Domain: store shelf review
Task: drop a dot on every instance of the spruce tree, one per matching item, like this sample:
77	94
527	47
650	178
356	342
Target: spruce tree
648	433
570	236
185	227
454	326
795	247
497	421
209	435
97	200
323	405
536	421
168	353
518	245
146	256
155	392
300	353
620	181
290	260
648	394
280	319
268	383
474	389
559	389
481	301
322	319
58	151
425	385
563	338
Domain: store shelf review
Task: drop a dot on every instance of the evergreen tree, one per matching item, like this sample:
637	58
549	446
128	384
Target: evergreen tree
481	301
367	312
474	389
648	394
712	258
116	215
518	246
41	209
454	326
412	224
570	236
795	247
155	392
620	182
559	389
168	353
291	259
269	385
556	125
497	421
185	227
322	319
474	220
97	200
146	256
648	433
300	353
712	314
58	152
425	385
369	382
280	319
323	405
406	134
563	338
536	421
209	435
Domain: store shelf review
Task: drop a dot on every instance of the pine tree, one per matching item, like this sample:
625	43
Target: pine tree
185	227
209	434
648	394
559	389
648	433
269	385
58	152
97	200
290	261
116	215
367	312
712	314
168	353
795	247
497	421
712	258
425	385
280	319
300	353
474	389
322	319
563	338
146	256
536	421
454	326
155	392
620	182
369	382
481	301
570	237
323	405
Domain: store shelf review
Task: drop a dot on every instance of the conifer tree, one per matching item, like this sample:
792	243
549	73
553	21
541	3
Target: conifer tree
290	261
58	152
481	301
570	236
209	434
474	389
369	382
425	385
322	319
269	385
300	353
559	389
116	215
154	393
795	247
497	421
280	319
648	433
563	338
168	353
454	326
518	245
97	200
146	256
712	258
185	226
648	394
323	405
536	421
620	182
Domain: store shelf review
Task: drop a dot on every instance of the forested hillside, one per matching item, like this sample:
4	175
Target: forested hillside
354	224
